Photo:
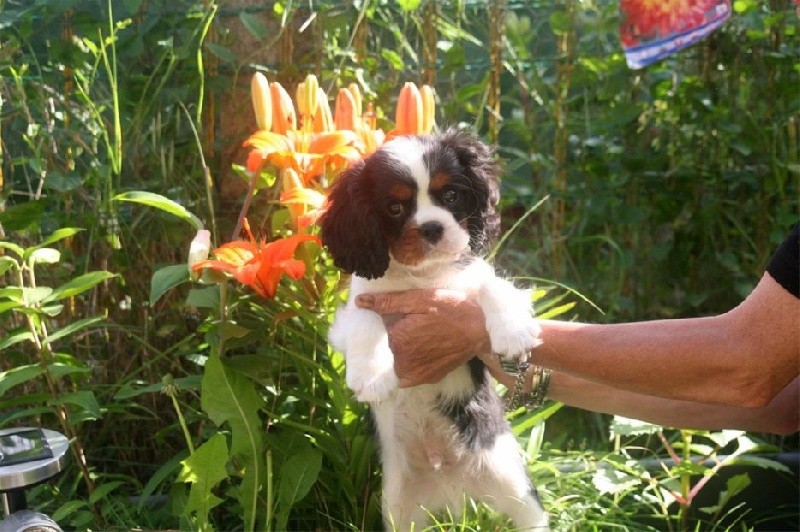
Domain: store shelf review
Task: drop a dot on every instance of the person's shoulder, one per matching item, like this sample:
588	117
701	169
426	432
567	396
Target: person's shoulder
784	266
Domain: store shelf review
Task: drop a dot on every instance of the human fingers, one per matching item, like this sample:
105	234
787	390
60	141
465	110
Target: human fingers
416	301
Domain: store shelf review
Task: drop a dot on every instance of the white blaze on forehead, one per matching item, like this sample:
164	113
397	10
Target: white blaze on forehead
409	150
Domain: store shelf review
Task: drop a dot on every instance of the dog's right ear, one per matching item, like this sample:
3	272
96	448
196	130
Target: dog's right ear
350	227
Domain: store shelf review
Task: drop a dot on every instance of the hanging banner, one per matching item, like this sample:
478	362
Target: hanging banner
650	30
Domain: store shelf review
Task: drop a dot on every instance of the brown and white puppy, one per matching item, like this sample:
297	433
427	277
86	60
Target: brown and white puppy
416	214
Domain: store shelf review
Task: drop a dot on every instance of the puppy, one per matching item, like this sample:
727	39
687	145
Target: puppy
416	214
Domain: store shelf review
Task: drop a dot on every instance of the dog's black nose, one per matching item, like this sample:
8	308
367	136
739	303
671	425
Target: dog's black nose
431	231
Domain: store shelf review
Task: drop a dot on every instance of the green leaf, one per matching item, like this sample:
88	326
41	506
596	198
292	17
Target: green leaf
32	296
55	236
298	475
85	400
560	23
102	491
408	5
222	52
20	335
256	28
72	328
207	297
45	256
393	58
229	397
80	284
735	485
622	426
21	216
167	278
204	470
6	263
58	370
17	376
160	202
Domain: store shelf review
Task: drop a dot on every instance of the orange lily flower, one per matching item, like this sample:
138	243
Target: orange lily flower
303	203
259	265
309	154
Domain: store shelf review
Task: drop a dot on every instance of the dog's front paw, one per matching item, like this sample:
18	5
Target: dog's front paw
513	339
377	389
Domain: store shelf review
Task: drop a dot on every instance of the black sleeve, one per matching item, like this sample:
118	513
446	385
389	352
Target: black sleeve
784	266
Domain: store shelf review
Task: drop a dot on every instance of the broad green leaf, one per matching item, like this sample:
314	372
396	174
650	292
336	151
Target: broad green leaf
18	250
17	376
256	28
167	278
58	370
622	426
80	284
229	397
166	470
735	485
23	215
32	296
72	328
21	335
127	391
222	52
613	481
204	470
163	203
298	475
85	400
54	237
14	293
207	297
5	306
45	256
6	263
101	492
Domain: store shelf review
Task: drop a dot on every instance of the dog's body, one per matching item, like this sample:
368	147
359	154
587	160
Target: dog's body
412	216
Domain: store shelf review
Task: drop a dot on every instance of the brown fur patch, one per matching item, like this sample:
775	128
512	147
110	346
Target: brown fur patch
439	180
409	248
401	192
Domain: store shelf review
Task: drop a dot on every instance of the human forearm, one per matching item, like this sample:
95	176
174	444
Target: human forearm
780	416
741	358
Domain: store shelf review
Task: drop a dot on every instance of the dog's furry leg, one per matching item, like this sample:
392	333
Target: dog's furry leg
361	336
512	329
504	485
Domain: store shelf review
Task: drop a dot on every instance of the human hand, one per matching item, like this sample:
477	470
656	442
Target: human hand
431	332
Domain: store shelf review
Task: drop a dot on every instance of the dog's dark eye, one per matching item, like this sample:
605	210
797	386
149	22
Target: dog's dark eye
395	209
449	196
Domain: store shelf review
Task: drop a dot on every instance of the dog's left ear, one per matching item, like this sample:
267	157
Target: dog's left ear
480	165
350	228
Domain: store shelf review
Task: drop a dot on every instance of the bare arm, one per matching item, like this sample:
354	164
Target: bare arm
780	416
743	358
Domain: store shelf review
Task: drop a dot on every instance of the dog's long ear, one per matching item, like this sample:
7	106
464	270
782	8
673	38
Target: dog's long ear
481	167
351	229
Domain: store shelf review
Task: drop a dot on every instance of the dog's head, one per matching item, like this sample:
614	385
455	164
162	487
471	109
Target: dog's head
417	200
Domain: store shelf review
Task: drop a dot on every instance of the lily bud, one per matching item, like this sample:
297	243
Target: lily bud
283	116
346	115
408	115
262	101
323	120
198	251
428	109
355	90
307	97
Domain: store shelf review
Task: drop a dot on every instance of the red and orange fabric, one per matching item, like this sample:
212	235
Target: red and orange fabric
650	30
